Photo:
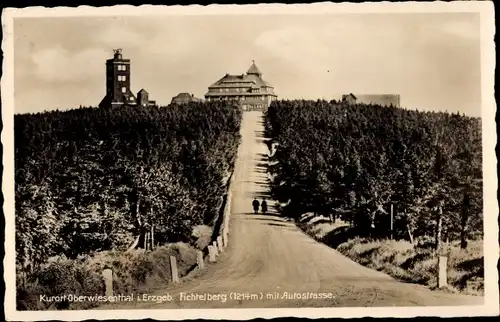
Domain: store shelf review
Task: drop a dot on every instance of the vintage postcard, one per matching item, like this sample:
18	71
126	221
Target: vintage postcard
250	161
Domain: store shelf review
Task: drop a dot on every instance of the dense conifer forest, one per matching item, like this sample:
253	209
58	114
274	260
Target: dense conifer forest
92	179
358	161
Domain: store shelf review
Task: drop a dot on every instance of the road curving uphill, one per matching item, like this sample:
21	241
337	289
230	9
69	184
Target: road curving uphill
269	262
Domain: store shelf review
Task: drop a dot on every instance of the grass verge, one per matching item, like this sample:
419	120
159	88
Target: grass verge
403	260
50	286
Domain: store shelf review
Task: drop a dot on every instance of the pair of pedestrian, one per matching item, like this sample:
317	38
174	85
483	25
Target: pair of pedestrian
256	204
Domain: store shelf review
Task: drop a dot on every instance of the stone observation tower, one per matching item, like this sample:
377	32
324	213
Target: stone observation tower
250	90
118	91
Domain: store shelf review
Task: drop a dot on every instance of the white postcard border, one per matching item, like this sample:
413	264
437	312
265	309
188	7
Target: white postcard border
491	249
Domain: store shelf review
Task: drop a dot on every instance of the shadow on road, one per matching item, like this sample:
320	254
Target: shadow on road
261	135
260	140
290	226
262	157
260	183
261	165
266	217
270	219
261	195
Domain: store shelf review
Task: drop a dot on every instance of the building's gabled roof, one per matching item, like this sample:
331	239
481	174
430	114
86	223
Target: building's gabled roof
237	80
142	91
254	70
350	94
184	95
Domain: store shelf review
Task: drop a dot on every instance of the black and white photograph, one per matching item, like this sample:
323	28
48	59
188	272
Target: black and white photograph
271	160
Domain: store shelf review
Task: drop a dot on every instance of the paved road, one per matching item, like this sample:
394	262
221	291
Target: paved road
268	256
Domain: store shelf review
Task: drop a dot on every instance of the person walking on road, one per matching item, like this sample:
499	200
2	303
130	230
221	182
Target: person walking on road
255	204
263	205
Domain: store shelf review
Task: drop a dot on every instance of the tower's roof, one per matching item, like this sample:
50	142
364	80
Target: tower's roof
254	69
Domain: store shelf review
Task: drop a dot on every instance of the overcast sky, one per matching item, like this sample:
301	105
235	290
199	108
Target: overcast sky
431	60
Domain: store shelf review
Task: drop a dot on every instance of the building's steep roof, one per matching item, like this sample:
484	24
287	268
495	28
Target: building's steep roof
143	91
184	95
254	70
237	80
105	102
185	98
257	80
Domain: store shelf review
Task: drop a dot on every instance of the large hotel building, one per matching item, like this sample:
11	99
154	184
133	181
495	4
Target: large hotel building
249	89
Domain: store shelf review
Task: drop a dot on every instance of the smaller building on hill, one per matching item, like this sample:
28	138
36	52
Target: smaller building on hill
184	98
349	98
375	99
143	98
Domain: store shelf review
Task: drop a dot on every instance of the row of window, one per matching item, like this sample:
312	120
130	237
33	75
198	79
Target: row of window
122	78
239	90
122	67
253	107
243	98
236	89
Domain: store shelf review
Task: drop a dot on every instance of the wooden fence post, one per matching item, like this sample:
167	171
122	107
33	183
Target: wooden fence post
442	271
173	268
219	243
199	259
225	237
211	253
226	224
107	273
216	249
